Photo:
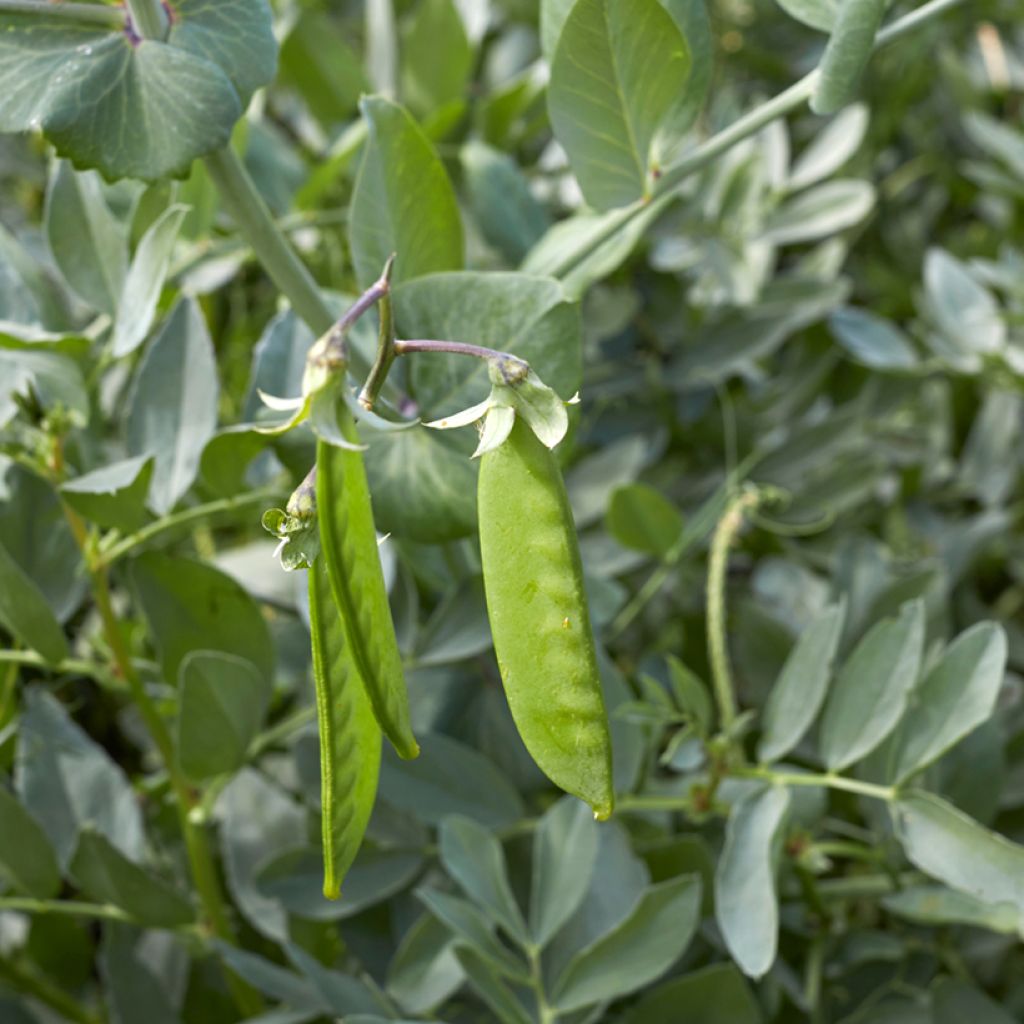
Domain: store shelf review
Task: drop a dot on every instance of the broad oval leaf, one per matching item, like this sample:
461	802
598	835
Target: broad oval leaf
847	53
641	518
192	606
872	340
746	903
871	693
474	858
221	703
564	852
636	952
800	690
618	69
25	613
820	212
830	148
114	495
173	409
948	845
956	696
965	311
819	14
403	202
937	905
26	856
106	875
713	995
69	781
145	280
88	244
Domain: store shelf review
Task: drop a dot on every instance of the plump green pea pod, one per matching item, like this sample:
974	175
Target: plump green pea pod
533	580
350	738
349	544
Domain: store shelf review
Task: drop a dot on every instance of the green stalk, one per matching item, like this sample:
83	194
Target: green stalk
670	182
64	908
198	513
148	18
82	14
241	199
826	780
41	988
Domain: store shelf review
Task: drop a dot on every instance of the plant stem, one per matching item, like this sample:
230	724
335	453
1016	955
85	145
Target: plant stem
721	677
66	908
241	199
748	124
457	348
826	780
148	18
71	666
200	859
84	14
198	513
386	353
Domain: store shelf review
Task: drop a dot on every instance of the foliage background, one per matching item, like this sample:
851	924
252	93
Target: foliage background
833	308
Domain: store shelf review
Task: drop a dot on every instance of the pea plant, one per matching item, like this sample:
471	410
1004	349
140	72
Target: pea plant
500	520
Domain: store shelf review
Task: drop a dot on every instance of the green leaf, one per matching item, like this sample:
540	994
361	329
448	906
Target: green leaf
258	821
872	689
802	684
81	85
134	992
819	14
820	212
830	148
88	244
618	69
428	83
106	875
849	48
221	703
564	852
191	606
714	995
26	856
956	696
530	317
173	408
36	534
643	947
475	859
494	992
113	496
235	35
145	280
69	781
423	484
509	216
25	613
955	1001
474	929
964	312
449	778
403	202
948	845
642	519
935	905
746	903
424	971
872	340
317	60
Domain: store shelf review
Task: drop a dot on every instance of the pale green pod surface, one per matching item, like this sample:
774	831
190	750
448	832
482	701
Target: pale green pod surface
350	738
539	621
349	544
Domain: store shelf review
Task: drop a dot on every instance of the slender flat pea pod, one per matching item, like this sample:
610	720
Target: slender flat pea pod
350	738
537	607
349	545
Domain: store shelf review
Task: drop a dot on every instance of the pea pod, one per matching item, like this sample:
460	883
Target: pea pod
537	607
349	544
350	738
